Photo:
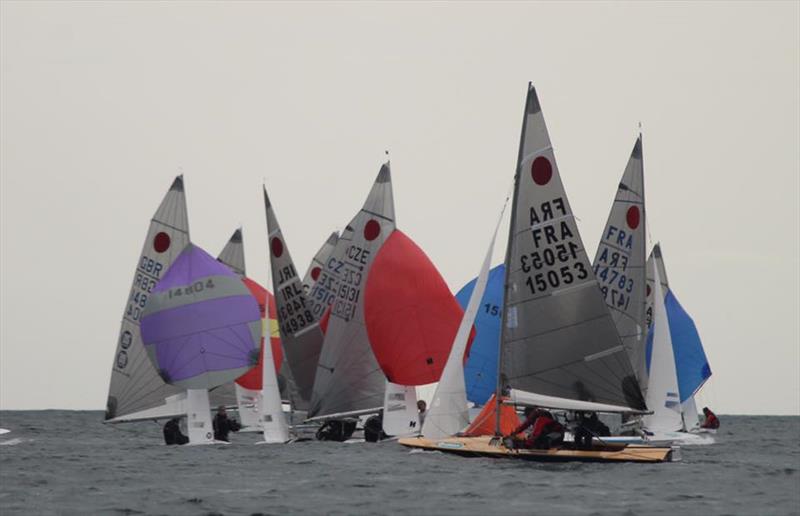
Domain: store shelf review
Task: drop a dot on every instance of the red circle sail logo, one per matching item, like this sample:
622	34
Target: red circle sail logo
372	230
161	242
277	247
541	171
632	217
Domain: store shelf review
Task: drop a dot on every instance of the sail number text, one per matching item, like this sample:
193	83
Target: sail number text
293	314
555	261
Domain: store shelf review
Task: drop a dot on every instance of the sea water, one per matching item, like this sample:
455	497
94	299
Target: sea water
64	462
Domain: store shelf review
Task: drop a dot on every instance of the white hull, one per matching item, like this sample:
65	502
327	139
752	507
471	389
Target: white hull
682	438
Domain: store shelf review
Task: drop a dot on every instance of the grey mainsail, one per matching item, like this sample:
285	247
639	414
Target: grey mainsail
289	389
231	255
135	384
558	337
317	265
349	378
301	335
619	264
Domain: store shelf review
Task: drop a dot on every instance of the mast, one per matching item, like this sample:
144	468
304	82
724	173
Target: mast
499	387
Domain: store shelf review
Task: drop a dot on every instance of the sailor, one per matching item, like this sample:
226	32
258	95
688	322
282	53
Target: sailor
223	426
587	428
546	433
422	407
373	429
336	430
172	432
711	421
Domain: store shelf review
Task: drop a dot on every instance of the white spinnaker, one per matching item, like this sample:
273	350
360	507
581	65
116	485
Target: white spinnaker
448	412
662	392
271	417
400	416
135	384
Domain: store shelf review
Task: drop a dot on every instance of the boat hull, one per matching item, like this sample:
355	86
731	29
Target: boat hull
486	446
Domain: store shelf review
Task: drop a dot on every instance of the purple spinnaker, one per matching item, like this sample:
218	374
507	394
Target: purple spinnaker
201	326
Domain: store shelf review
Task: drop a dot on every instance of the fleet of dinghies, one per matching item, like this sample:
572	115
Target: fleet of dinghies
344	347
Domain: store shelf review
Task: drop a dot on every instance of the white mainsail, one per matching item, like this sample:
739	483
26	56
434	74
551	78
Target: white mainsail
301	335
135	384
449	412
558	337
656	266
271	418
349	378
619	264
663	397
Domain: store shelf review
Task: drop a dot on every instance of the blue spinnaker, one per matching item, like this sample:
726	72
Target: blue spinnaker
691	363
690	359
480	372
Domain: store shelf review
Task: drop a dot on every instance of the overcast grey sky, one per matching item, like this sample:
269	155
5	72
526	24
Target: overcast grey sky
104	102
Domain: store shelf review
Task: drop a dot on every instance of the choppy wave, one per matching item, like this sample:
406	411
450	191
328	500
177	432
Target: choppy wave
70	463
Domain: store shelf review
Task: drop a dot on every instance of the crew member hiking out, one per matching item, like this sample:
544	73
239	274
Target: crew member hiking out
223	426
711	421
546	432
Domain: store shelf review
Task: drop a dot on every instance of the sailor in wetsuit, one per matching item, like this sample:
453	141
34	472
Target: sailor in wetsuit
546	432
711	422
172	432
223	426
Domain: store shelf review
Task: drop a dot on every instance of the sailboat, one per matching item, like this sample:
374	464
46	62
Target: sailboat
200	328
299	329
411	318
349	382
246	391
136	390
559	346
619	263
676	357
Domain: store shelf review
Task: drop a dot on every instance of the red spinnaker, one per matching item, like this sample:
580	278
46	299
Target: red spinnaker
266	303
410	313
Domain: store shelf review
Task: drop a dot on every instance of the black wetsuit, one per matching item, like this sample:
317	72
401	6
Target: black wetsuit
172	433
223	426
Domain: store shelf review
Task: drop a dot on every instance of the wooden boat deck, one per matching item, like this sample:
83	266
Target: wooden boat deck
486	446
